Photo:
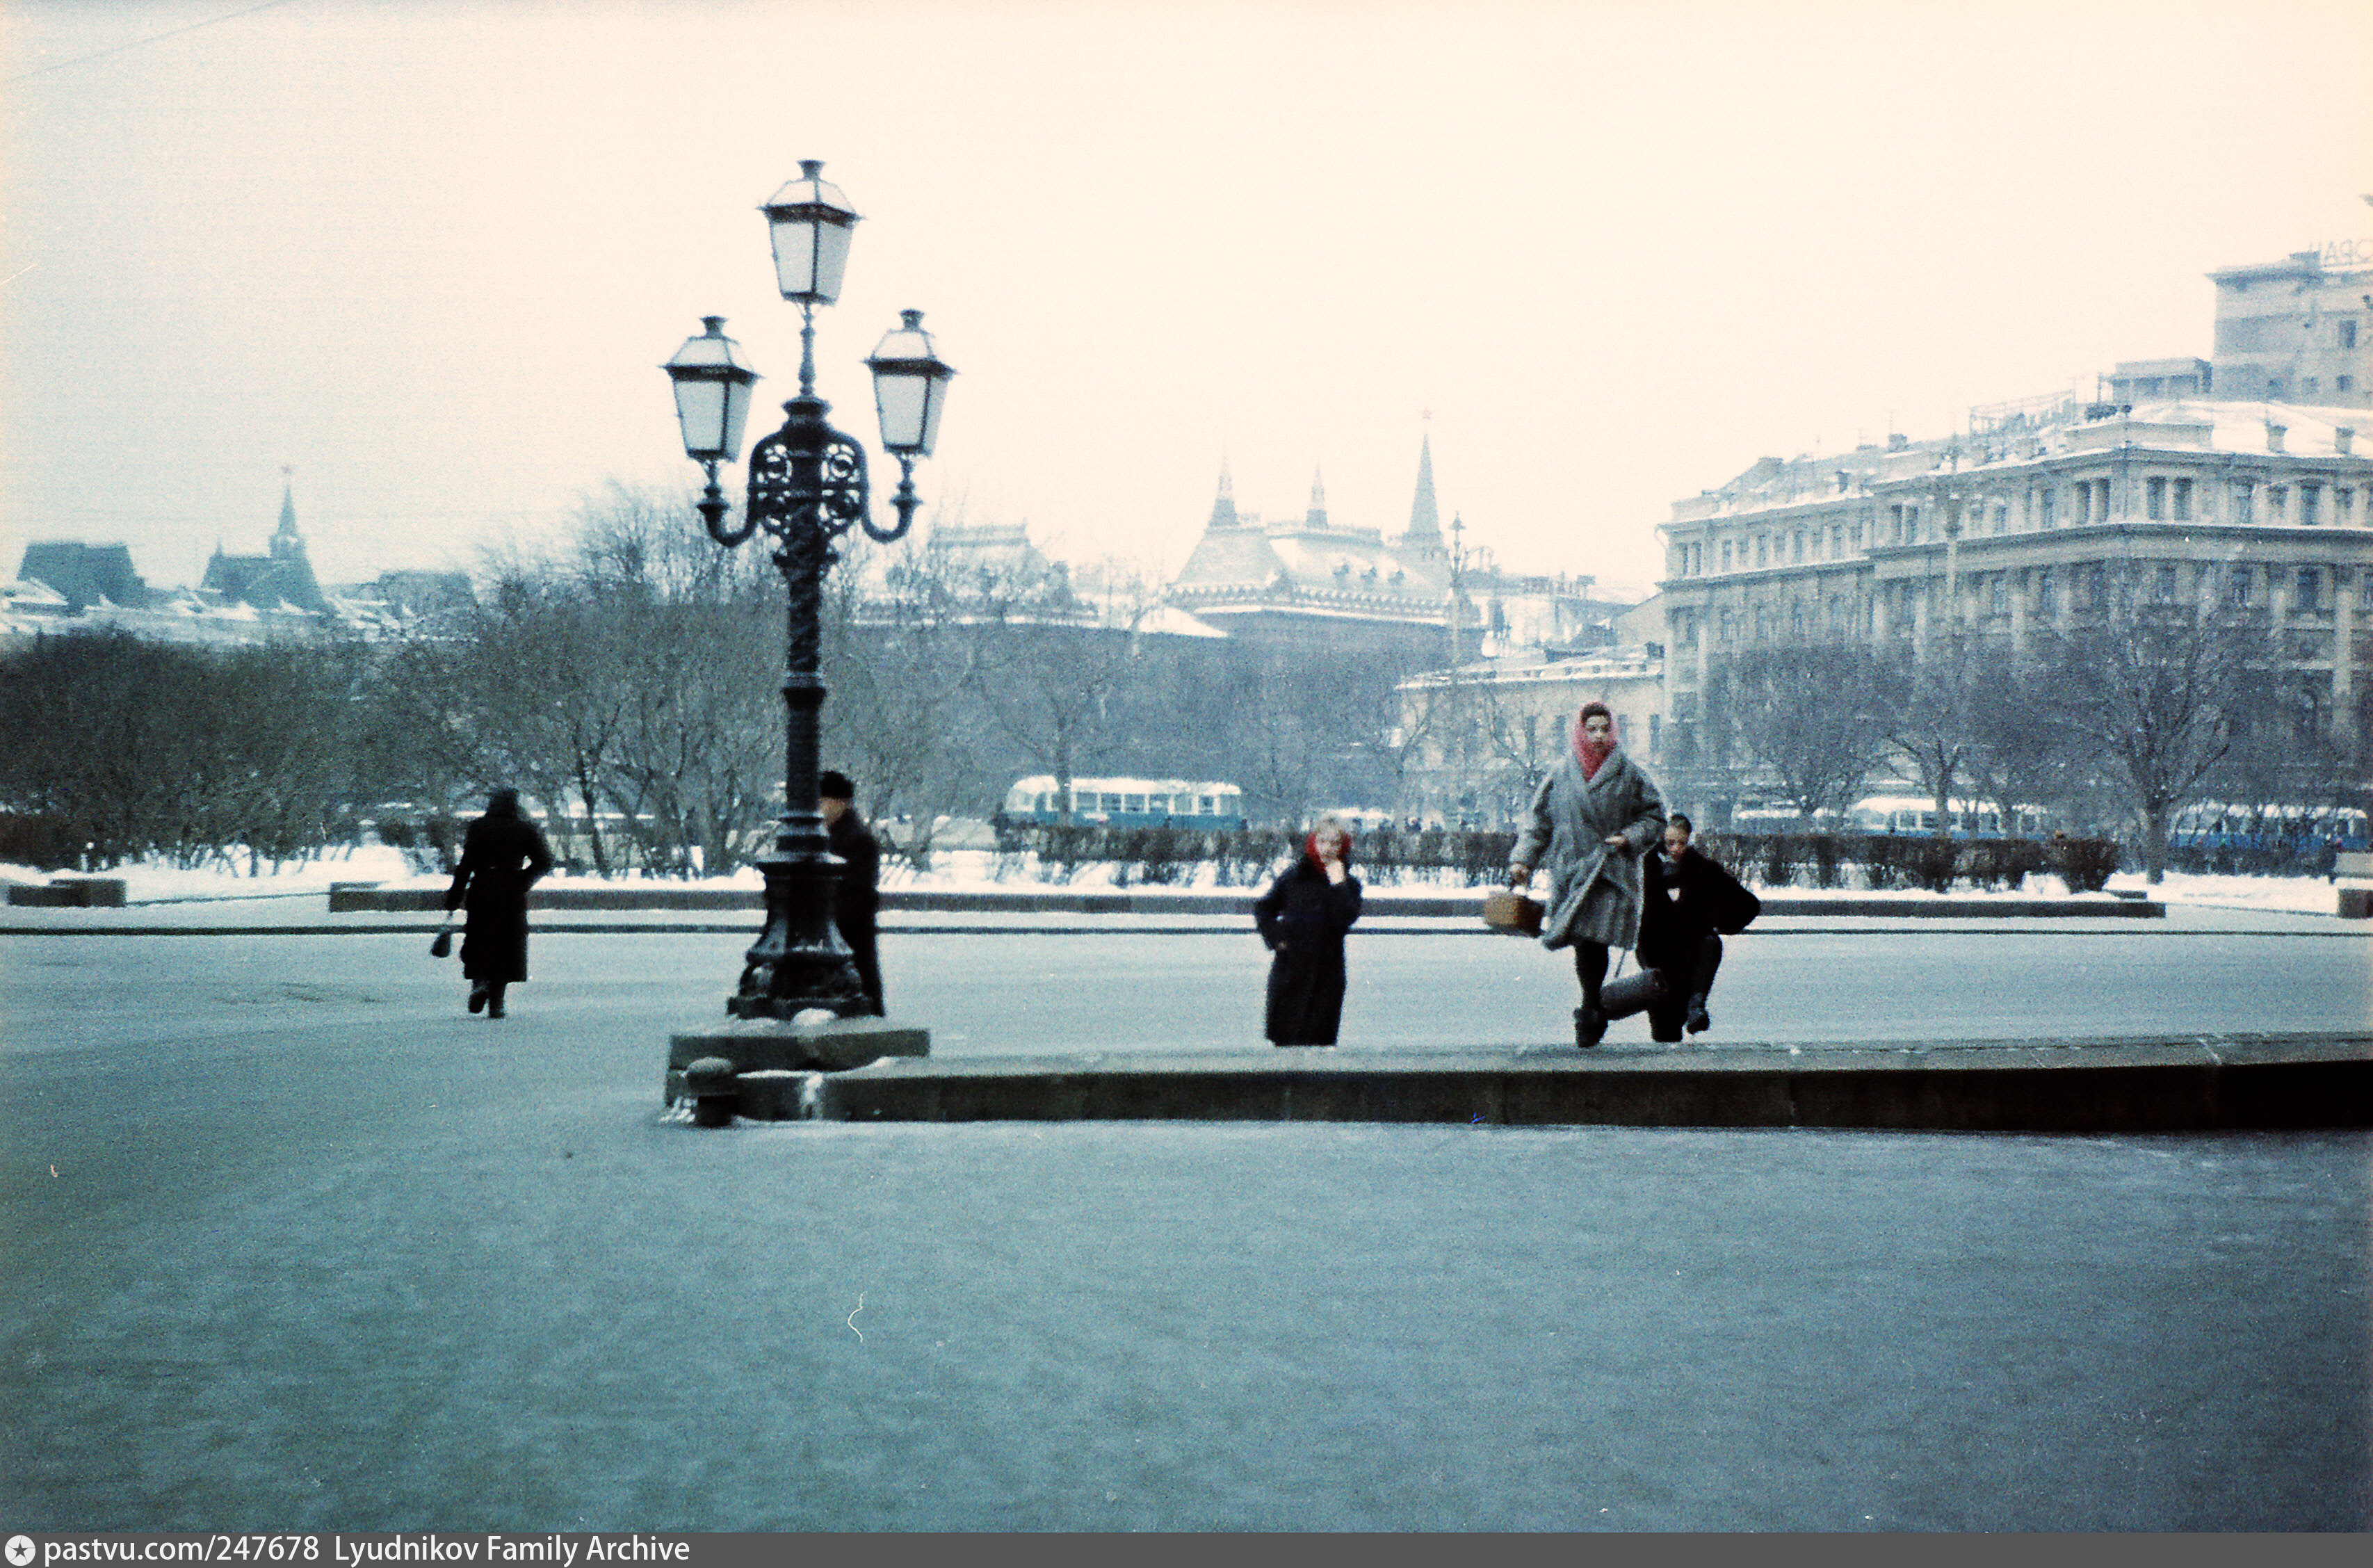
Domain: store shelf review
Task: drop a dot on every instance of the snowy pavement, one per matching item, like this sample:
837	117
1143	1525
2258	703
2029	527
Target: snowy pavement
297	1244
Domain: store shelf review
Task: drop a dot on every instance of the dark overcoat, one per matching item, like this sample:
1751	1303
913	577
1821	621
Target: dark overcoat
857	899
502	856
1593	889
1684	901
1303	919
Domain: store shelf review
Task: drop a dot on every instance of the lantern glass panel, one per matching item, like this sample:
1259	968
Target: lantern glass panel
909	387
712	393
809	222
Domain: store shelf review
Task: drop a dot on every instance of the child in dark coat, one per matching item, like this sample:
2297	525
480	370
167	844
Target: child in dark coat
1687	899
1303	919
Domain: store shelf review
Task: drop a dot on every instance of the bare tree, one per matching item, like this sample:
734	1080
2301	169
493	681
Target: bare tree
1807	715
2158	694
1048	660
1926	712
903	714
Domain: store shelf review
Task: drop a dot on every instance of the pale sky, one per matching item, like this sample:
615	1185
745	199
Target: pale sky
431	256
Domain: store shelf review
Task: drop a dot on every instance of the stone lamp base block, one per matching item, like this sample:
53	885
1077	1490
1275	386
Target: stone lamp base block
774	1045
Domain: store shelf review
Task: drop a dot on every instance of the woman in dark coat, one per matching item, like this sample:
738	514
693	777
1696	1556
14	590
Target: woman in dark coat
1687	900
1592	819
1303	919
502	856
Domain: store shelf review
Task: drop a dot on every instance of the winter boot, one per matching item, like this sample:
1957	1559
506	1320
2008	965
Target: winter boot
477	999
1589	1027
1699	1020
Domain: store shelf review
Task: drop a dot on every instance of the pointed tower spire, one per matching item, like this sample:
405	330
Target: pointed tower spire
1425	521
1317	514
287	542
1223	506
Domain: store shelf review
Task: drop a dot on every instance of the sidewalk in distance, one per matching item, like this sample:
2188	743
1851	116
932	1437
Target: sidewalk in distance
2168	1083
350	898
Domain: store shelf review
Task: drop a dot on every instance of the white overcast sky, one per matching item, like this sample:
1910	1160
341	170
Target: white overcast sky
429	255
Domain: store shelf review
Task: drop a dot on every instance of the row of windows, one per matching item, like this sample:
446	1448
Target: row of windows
2304	504
2313	590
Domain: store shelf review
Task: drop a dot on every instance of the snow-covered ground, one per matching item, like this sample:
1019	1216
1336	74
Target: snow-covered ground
972	869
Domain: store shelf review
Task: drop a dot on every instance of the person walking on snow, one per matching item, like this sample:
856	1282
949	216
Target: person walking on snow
503	855
1591	820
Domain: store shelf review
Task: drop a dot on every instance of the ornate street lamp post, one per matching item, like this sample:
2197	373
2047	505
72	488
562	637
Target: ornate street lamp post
806	488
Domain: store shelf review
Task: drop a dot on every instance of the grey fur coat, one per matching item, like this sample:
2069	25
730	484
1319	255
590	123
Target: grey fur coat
1594	888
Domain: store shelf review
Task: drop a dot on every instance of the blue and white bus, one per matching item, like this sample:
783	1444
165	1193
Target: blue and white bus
1127	803
2217	824
1914	815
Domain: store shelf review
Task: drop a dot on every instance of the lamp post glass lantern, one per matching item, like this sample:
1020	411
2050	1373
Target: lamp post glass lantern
807	488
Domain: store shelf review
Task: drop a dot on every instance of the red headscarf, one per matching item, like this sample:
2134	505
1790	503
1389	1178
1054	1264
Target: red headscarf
1589	752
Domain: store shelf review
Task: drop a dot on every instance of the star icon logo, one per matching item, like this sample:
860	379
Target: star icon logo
20	1551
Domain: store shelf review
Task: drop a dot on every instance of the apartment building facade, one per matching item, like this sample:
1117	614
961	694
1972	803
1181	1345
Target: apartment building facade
2041	521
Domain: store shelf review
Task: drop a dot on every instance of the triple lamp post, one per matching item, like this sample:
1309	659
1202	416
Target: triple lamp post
807	488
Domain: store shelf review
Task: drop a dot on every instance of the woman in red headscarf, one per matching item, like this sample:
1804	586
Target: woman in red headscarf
1303	919
1592	819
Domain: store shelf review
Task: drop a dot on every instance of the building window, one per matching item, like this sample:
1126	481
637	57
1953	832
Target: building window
1796	620
2348	336
1655	733
2047	598
1837	539
2306	386
2236	588
2244	503
1912	524
2097	588
2278	500
2344	383
1729	629
1857	535
2002	593
2343	506
2164	591
2307	593
2182	498
1797	552
2154	499
2051	506
2002	516
1762	553
1762	625
2310	504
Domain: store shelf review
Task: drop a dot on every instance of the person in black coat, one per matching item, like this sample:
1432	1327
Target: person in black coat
1687	900
857	900
1303	919
503	854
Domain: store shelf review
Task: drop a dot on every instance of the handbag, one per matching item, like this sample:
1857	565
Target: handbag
1504	909
441	946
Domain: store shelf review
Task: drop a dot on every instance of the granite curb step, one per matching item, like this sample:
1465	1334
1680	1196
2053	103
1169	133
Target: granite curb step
2143	1084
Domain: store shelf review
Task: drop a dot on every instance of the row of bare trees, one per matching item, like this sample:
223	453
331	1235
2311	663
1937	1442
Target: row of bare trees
2117	725
627	683
112	748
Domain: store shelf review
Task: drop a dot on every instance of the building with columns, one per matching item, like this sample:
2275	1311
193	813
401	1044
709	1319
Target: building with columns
2039	518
